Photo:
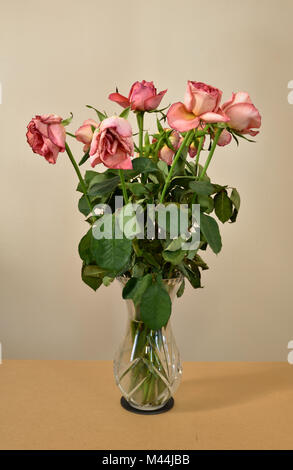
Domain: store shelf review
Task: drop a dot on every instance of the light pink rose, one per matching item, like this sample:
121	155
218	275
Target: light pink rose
166	153
46	136
243	115
112	144
143	96
201	103
85	133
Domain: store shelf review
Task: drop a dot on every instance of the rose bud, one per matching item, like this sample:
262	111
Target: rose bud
166	153
46	136
85	133
143	96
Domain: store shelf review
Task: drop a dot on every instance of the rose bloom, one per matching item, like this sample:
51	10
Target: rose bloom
243	115
143	96
112	144
85	133
201	103
46	136
166	153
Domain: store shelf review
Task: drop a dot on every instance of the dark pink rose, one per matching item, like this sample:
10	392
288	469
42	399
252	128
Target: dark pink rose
201	103
243	115
46	136
112	144
85	133
143	96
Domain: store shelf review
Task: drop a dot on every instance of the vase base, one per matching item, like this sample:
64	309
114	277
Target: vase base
168	406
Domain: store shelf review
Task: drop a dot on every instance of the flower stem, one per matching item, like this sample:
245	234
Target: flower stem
200	146
211	153
139	117
121	174
185	143
82	183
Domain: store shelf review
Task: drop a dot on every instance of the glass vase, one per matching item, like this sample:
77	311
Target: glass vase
147	365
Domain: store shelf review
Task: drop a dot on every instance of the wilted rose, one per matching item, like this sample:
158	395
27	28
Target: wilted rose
112	144
46	136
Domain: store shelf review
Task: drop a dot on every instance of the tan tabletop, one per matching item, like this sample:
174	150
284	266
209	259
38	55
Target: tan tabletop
75	405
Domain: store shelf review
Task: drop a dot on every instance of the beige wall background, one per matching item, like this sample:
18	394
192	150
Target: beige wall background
59	56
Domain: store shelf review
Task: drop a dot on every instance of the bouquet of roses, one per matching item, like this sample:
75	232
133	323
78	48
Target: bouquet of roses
154	208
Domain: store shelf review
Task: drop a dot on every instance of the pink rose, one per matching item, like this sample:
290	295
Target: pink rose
166	153
85	133
225	138
243	115
112	144
143	96
46	136
201	102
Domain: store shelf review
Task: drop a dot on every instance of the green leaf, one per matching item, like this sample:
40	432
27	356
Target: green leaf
200	262
101	116
84	248
103	187
223	206
83	206
138	189
206	203
143	165
107	280
174	257
155	306
181	289
111	254
235	198
125	113
67	121
175	244
159	126
210	230
85	157
93	271
89	175
163	167
203	188
151	259
135	288
193	275
93	282
138	269
147	139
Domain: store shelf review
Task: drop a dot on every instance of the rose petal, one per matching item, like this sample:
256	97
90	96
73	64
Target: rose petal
214	117
180	119
120	99
57	134
243	116
154	101
225	138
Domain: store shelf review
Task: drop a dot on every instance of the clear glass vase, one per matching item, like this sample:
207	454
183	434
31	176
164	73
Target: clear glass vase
147	365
